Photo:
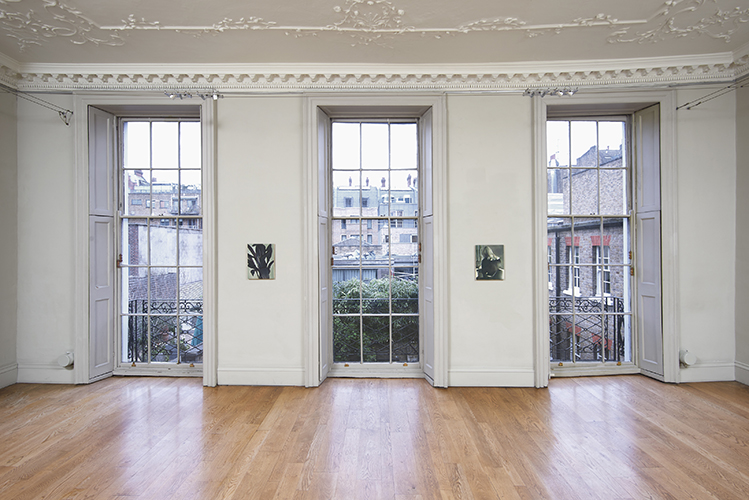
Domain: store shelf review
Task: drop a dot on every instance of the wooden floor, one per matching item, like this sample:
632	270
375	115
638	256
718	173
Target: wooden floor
607	438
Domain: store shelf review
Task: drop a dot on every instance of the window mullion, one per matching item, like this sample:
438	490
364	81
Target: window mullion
361	271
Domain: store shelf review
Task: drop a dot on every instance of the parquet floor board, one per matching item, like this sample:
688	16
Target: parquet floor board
609	438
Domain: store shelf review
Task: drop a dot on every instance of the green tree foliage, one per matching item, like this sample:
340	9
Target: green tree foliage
372	297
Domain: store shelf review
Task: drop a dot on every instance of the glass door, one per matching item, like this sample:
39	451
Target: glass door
375	240
588	238
161	243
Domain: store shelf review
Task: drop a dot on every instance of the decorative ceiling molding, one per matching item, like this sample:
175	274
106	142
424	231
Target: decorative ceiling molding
368	22
8	76
741	58
57	20
591	74
720	25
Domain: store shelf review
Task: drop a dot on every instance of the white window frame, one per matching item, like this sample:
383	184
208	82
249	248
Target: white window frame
618	103
410	367
120	105
573	366
436	186
151	367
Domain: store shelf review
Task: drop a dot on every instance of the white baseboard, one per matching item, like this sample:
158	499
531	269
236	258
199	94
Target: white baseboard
708	372
491	377
261	376
742	372
29	373
8	375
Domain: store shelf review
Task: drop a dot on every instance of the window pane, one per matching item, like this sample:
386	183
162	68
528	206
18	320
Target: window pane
163	242
591	335
346	193
347	239
406	267
190	145
584	191
624	324
134	242
376	293
190	242
191	339
406	339
587	234
190	192
375	146
136	192
191	291
613	192
165	144
406	295
376	333
163	283
404	146
403	185
135	289
557	143
558	194
134	339
346	290
557	280
560	334
583	144
611	140
615	337
620	285
614	237
345	141
137	147
346	339
164	338
164	194
558	228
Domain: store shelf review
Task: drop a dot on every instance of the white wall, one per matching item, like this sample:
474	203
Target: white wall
46	239
8	239
490	186
742	235
706	169
259	200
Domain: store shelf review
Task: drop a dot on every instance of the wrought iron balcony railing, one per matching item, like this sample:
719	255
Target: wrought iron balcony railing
176	331
597	328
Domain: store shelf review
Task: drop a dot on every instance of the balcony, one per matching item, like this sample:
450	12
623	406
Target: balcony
598	326
176	331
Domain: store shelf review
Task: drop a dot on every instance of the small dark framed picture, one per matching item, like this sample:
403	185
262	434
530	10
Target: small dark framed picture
490	262
261	261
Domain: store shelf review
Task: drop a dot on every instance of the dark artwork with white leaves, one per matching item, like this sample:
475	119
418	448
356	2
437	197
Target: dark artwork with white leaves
261	263
490	262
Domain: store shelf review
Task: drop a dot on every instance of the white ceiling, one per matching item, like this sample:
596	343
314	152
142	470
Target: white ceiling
435	32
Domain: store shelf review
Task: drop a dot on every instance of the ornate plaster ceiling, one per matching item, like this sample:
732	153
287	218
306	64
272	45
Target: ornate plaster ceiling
345	33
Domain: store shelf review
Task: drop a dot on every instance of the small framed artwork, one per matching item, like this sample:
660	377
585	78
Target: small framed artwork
490	262
261	261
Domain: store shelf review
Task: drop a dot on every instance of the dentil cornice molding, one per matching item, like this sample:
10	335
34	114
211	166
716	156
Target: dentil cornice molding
651	72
